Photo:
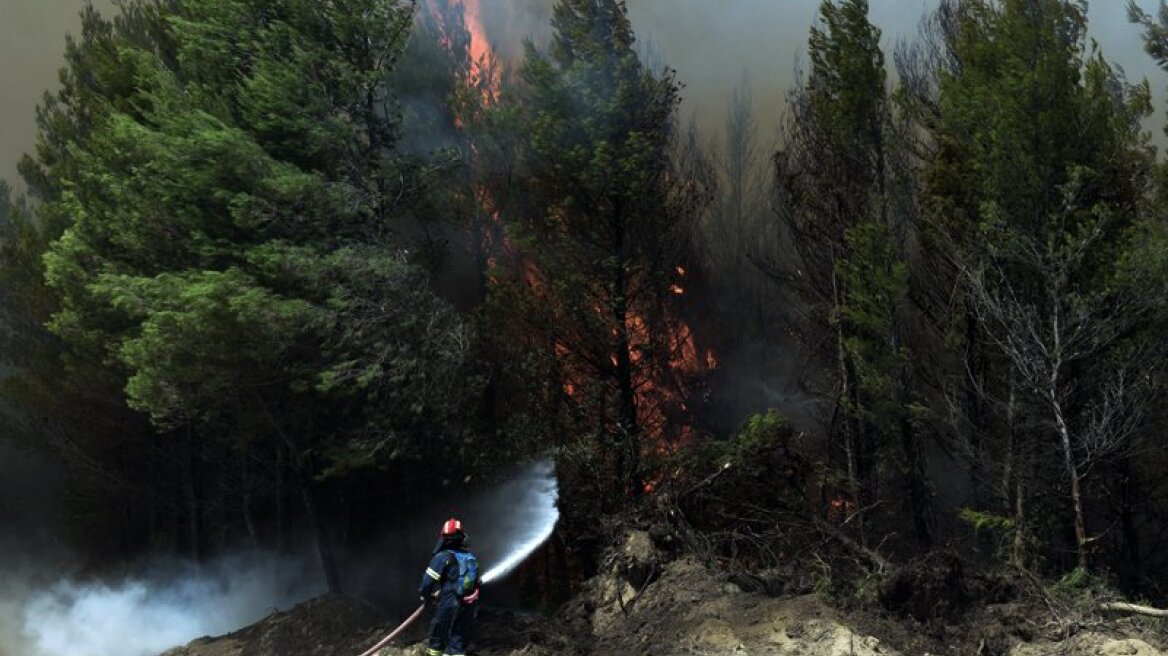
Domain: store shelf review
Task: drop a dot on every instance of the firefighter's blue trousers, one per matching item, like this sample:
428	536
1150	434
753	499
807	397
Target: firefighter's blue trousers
450	630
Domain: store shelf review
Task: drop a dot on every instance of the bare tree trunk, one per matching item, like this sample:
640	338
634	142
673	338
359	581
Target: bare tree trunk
1131	536
628	401
917	490
1123	607
302	467
845	397
192	493
324	546
1018	548
630	461
282	541
1012	488
974	408
245	483
1081	539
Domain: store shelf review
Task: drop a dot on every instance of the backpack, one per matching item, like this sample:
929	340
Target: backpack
468	572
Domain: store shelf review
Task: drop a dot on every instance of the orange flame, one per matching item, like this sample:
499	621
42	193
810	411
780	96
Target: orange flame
480	45
659	399
840	509
484	72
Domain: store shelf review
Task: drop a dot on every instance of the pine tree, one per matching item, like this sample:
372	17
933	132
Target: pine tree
122	490
1033	193
604	224
228	242
846	231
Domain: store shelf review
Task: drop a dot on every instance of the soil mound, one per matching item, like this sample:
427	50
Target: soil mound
325	626
686	609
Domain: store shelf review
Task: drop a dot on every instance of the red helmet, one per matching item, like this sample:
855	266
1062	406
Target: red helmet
451	527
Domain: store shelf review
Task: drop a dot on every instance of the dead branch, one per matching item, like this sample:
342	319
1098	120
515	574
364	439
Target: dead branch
706	481
876	559
1124	607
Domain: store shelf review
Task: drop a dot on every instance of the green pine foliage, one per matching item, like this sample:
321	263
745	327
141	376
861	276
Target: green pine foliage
843	211
602	225
1035	189
287	263
218	234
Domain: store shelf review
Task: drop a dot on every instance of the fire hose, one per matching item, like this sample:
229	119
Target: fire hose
396	632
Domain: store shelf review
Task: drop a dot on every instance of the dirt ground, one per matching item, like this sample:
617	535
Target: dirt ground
645	603
324	626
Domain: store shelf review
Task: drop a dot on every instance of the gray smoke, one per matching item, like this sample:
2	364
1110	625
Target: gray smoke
165	604
709	43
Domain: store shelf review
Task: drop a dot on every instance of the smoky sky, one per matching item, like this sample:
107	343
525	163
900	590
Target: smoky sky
32	45
711	43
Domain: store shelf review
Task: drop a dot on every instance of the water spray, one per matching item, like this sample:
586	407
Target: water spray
534	514
532	501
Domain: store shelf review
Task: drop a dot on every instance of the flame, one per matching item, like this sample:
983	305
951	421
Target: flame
484	70
840	509
659	387
481	54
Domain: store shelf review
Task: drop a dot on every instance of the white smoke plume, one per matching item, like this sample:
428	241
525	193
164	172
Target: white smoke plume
168	605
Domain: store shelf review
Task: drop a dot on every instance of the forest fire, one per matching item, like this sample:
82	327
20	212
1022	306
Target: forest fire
840	509
480	47
341	275
659	385
484	70
662	387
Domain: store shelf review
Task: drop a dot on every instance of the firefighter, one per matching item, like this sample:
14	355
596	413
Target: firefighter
453	581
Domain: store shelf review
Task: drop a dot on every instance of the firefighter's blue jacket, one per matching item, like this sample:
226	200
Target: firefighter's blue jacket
443	571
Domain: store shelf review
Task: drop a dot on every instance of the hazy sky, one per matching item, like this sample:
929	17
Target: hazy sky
711	43
32	42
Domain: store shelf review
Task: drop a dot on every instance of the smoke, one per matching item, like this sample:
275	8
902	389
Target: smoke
166	605
32	45
709	43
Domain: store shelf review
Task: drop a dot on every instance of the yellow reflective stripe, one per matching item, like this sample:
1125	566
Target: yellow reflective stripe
434	652
434	575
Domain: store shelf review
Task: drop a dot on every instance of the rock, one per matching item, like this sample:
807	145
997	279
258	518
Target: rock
1128	648
1088	644
637	561
638	549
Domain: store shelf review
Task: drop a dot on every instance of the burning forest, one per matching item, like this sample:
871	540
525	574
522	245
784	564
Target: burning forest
287	285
